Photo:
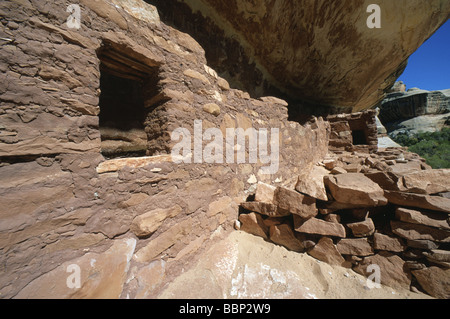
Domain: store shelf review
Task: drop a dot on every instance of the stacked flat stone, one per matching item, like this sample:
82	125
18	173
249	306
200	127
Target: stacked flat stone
395	216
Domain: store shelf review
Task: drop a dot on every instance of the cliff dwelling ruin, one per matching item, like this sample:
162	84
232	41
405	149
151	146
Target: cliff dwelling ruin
352	132
86	172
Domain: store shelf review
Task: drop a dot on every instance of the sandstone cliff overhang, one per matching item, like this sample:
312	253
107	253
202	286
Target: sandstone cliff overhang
84	214
320	52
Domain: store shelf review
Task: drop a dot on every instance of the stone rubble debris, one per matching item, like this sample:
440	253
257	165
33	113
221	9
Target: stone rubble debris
385	213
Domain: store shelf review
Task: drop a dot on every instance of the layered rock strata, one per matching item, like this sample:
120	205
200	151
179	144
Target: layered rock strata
415	111
86	190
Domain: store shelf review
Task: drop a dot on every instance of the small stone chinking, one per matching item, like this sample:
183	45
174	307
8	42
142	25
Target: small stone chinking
355	209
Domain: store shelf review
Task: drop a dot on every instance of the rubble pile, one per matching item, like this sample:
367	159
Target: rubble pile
386	208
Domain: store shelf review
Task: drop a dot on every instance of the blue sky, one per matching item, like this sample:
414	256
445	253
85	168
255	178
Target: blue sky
429	67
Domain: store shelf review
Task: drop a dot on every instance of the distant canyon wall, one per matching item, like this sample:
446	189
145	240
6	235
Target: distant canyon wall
415	110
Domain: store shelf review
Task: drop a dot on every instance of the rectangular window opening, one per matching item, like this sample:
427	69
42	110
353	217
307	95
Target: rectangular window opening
359	137
125	84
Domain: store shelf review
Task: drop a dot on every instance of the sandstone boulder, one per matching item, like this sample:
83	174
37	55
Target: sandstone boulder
435	281
416	231
212	108
422	244
134	200
338	170
284	235
196	75
326	251
265	193
118	164
403	166
311	183
439	257
333	206
295	203
264	208
393	269
432	219
254	224
356	189
386	180
329	164
353	168
362	229
355	246
428	181
386	242
436	203
146	224
319	227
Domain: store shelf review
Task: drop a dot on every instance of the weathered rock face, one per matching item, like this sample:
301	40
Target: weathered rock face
321	51
86	172
415	110
435	281
413	103
245	266
384	141
76	223
102	276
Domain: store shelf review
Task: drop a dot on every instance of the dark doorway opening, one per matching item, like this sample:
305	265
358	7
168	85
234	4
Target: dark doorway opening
359	137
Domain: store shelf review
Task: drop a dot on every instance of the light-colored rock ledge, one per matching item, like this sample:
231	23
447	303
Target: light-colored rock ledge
117	164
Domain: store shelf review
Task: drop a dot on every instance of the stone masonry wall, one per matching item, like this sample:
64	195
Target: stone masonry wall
128	224
386	215
354	132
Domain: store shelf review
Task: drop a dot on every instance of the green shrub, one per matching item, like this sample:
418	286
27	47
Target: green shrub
432	146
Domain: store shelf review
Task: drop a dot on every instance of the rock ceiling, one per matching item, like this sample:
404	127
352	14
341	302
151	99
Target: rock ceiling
317	51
